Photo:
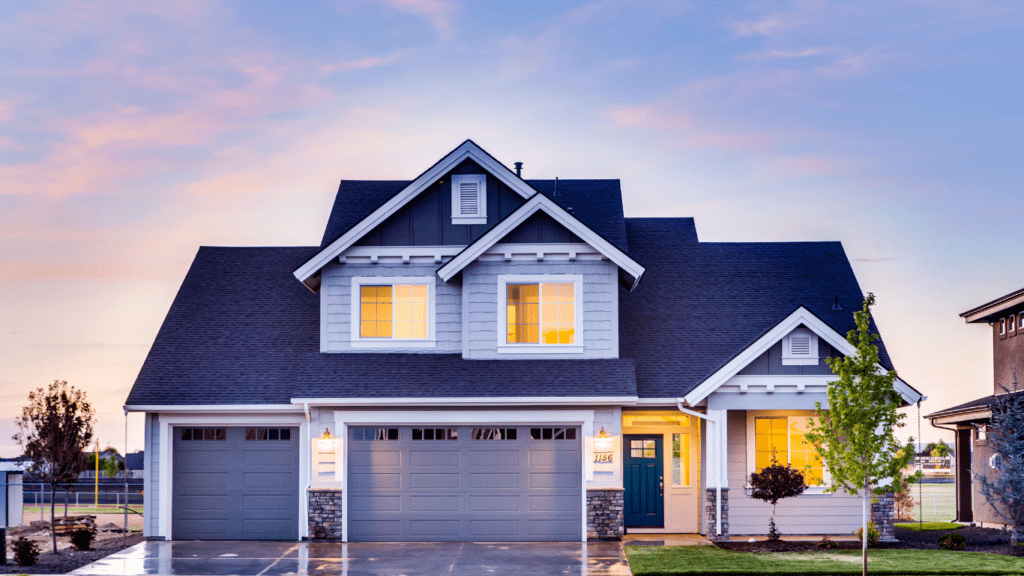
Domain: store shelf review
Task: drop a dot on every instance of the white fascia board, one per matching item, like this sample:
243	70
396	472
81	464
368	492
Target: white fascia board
212	408
540	202
510	400
468	150
800	316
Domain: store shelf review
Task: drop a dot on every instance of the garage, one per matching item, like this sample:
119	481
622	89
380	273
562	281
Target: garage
235	483
465	483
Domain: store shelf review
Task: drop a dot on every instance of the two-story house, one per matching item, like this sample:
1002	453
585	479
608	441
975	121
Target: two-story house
470	355
969	420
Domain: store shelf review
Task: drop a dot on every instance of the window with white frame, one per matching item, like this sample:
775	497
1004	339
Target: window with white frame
393	312
782	439
681	460
1012	323
1002	326
540	313
800	347
469	199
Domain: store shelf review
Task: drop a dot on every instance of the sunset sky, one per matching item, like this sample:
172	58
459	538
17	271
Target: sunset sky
131	133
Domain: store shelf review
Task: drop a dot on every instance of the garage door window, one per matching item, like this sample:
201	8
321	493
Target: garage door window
204	434
258	434
493	434
369	434
435	433
552	433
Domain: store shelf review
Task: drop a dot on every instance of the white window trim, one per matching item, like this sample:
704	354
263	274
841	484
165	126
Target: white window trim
752	448
505	348
481	215
385	343
790	359
1002	326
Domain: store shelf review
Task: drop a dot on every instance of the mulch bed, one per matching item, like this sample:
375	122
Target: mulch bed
68	560
989	540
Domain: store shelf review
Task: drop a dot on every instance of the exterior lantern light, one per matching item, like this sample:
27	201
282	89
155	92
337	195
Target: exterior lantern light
602	443
325	445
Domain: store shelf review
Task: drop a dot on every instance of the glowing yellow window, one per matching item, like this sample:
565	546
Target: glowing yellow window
783	439
681	460
541	313
398	311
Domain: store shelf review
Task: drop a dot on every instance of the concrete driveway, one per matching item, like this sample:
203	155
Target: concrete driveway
365	559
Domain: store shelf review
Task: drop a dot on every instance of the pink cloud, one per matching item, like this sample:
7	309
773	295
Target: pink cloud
363	63
683	130
438	12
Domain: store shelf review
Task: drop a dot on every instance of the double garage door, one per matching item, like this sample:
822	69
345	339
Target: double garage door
407	483
464	483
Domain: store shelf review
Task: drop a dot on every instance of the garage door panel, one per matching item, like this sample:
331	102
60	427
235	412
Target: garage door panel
492	503
494	458
434	529
375	504
464	489
435	503
225	487
379	458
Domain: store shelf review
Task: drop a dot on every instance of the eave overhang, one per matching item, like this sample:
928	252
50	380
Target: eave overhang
988	310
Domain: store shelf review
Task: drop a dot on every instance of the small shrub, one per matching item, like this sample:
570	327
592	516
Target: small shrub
25	551
952	541
828	544
81	539
873	534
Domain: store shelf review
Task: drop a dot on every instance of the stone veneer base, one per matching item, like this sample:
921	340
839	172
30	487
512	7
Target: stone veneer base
883	514
710	497
326	521
605	513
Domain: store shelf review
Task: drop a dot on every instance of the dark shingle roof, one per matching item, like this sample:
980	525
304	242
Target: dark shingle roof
596	203
243	330
449	376
701	304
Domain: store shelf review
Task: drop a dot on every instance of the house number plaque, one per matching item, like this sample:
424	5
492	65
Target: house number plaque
603	457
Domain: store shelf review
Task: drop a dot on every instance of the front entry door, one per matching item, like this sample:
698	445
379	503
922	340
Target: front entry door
644	482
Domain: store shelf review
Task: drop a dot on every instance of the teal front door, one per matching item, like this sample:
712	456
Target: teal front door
644	482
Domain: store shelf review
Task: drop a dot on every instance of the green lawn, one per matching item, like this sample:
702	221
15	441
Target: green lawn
929	526
672	560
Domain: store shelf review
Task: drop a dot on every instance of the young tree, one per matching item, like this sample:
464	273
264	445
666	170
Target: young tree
1003	487
855	435
774	483
55	430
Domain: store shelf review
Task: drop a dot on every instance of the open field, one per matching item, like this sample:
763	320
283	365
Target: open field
939	502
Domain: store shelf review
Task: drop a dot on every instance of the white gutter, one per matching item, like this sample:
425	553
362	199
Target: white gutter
718	464
464	401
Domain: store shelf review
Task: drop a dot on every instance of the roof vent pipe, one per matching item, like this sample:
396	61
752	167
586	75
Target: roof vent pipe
555	193
519	169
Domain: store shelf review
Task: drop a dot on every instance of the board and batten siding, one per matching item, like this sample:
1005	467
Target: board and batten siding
770	363
805	514
337	315
600	306
151	476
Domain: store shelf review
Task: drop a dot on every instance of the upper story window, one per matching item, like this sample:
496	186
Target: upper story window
469	199
1011	324
540	313
800	347
1002	326
392	312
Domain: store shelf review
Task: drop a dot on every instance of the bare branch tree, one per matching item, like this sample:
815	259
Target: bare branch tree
55	430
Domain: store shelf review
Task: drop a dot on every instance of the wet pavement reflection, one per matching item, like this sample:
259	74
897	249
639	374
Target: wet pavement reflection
365	559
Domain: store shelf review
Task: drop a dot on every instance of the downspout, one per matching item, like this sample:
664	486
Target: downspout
718	463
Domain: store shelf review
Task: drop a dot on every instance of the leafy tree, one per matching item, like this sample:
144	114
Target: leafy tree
774	483
935	450
55	430
1003	487
855	435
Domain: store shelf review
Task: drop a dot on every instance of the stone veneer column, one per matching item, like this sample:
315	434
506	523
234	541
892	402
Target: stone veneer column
883	514
604	513
711	510
325	514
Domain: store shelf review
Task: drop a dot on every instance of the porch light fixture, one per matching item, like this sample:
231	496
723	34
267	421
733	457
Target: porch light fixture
325	445
602	443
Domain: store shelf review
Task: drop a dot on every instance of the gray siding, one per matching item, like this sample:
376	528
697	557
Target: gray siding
599	307
151	476
336	303
770	363
804	514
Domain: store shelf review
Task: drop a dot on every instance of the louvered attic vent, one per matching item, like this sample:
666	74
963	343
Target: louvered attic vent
469	199
800	348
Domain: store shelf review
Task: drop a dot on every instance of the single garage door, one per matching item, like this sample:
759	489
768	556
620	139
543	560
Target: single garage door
465	483
235	484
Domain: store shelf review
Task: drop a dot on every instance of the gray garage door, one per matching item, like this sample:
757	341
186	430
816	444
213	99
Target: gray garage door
465	483
235	484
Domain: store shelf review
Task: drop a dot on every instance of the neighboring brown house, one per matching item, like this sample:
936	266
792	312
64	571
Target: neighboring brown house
1005	316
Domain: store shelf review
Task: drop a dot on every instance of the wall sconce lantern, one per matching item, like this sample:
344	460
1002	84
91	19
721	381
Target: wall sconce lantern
325	445
603	447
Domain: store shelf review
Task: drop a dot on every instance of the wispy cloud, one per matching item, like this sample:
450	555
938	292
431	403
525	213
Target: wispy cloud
439	13
772	25
364	63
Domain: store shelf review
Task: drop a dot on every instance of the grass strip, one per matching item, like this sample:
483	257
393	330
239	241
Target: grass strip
929	526
688	560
